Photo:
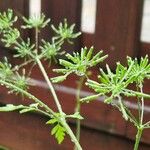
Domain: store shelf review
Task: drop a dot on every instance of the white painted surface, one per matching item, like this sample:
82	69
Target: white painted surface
88	16
35	8
145	32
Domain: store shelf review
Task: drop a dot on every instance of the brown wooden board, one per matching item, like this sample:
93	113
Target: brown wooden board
29	132
117	29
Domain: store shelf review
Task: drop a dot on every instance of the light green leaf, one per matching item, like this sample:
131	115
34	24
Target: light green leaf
11	107
58	79
59	132
52	121
75	115
27	110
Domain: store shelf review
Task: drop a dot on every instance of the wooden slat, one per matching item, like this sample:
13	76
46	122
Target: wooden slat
58	10
145	49
28	132
20	9
118	28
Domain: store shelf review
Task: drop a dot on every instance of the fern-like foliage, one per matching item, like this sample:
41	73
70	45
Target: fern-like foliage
8	74
35	22
24	49
58	130
5	69
140	69
114	85
78	63
65	32
49	51
10	36
7	19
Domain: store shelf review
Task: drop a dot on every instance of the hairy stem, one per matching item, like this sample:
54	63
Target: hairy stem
44	113
42	69
50	86
78	107
63	122
36	39
138	137
62	118
140	127
124	113
73	138
30	96
69	131
142	105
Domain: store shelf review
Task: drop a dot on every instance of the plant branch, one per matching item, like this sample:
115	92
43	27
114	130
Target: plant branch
78	107
50	86
122	108
73	138
138	137
142	106
30	96
61	118
45	74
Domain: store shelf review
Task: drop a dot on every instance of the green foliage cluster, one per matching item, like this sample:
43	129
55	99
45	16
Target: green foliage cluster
113	85
78	63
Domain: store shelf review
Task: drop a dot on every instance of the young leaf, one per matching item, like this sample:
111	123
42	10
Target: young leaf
80	63
11	107
52	121
59	132
35	22
75	115
58	79
90	98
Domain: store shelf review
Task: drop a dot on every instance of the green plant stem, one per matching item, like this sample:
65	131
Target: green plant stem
63	122
22	65
140	127
62	118
138	94
44	113
147	123
78	108
122	108
138	137
50	86
30	96
46	76
131	116
36	39
73	138
142	105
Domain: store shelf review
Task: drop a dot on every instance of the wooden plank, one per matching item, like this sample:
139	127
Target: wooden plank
118	28
20	8
28	132
57	11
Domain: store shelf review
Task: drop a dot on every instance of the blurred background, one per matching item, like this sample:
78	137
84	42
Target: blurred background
120	28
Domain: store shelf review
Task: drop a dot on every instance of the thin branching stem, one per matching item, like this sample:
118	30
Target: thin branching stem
73	138
147	123
36	38
22	65
42	69
62	118
44	113
142	105
63	122
122	108
139	106
78	108
138	137
29	95
50	86
140	127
